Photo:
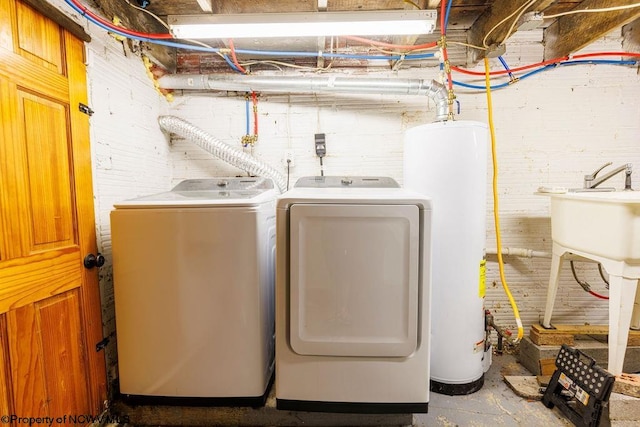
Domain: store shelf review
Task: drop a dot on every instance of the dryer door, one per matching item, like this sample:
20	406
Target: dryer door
354	279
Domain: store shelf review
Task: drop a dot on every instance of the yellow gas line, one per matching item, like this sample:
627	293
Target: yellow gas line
496	215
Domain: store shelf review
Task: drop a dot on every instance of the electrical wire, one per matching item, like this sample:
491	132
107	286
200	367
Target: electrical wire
604	279
148	12
278	64
604	9
391	45
496	214
515	21
467	45
486	36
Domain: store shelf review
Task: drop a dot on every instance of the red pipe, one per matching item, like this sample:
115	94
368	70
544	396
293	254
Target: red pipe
86	11
598	295
543	63
233	57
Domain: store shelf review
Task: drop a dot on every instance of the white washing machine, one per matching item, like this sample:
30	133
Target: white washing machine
352	296
194	293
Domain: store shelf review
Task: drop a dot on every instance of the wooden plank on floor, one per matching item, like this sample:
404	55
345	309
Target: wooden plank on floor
564	334
524	386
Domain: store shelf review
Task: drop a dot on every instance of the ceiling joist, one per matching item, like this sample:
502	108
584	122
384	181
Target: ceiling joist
631	37
481	20
488	32
571	33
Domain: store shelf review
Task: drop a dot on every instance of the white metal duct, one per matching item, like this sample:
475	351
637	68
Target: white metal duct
302	84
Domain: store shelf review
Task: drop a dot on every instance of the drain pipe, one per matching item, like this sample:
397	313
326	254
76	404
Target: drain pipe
219	149
520	252
302	84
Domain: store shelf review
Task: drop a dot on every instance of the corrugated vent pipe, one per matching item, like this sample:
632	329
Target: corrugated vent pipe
302	84
219	149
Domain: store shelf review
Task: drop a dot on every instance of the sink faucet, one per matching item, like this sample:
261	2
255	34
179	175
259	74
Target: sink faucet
590	181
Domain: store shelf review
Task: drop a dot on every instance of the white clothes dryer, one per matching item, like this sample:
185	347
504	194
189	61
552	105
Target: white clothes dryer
194	293
352	296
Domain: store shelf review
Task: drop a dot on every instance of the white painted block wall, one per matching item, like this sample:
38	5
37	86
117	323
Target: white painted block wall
551	129
130	154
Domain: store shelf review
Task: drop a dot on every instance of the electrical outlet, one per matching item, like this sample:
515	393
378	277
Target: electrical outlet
288	155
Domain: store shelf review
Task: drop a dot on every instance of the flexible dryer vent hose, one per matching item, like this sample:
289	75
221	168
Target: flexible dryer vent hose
219	149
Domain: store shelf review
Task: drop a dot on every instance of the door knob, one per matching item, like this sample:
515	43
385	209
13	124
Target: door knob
92	260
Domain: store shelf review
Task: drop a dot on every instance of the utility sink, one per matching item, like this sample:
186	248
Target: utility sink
603	227
606	224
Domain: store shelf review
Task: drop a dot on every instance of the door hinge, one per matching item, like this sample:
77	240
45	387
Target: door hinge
102	344
85	109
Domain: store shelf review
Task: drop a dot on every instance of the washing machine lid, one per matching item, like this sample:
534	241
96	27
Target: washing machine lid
346	182
208	192
354	279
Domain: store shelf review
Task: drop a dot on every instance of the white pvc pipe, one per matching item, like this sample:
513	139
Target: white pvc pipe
303	84
520	252
219	149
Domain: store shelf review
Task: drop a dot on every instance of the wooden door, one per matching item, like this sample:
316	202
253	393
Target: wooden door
50	317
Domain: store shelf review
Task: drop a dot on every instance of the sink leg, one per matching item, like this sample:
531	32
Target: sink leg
622	292
556	265
635	316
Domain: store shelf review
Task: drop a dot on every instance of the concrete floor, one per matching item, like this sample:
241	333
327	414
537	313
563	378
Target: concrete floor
494	405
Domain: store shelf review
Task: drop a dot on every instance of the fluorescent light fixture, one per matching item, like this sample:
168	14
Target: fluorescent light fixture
310	24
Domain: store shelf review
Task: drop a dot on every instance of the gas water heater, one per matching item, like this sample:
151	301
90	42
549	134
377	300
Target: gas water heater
447	162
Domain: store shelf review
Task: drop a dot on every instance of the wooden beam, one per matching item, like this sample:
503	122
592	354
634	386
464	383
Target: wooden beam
59	18
478	34
140	21
564	334
631	38
410	40
571	33
161	55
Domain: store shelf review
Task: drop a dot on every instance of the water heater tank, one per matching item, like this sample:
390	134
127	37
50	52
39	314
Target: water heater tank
447	161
